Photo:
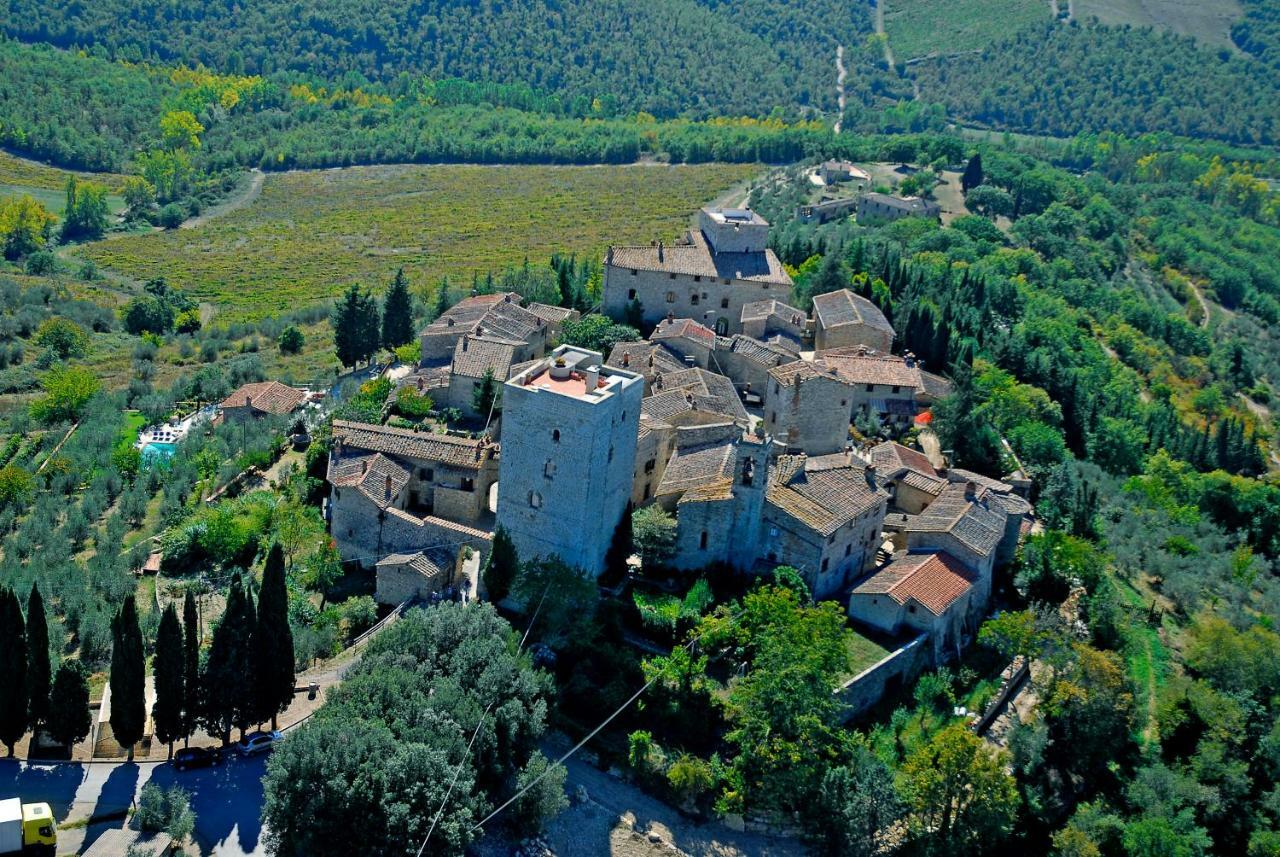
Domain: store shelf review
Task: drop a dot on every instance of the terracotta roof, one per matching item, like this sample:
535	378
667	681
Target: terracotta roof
709	492
372	475
968	519
708	390
862	366
890	458
270	397
804	370
552	314
494	316
473	355
696	466
824	498
428	563
696	258
935	581
406	443
838	308
684	328
764	353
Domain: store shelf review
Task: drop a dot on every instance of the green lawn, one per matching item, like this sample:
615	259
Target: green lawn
25	173
310	234
1147	658
863	653
54	199
918	28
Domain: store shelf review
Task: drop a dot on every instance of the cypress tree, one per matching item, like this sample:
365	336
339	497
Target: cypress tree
39	671
69	721
272	643
13	667
972	176
346	327
168	669
502	565
128	691
397	313
190	667
442	302
227	685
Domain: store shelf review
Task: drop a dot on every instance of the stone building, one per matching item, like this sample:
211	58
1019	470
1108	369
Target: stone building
806	407
402	576
473	357
399	491
838	172
649	359
969	525
718	268
929	592
908	476
715	483
764	319
843	318
883	206
570	425
497	317
746	362
894	388
822	515
261	399
702	390
692	341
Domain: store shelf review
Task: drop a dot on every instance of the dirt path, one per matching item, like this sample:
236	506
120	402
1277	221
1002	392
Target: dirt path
841	74
231	203
884	40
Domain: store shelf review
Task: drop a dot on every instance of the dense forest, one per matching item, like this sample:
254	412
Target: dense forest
1259	32
1062	81
669	58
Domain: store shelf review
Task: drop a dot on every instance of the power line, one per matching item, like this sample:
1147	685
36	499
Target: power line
456	773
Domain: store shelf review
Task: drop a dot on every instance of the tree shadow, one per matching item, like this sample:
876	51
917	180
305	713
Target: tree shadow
227	800
54	784
115	798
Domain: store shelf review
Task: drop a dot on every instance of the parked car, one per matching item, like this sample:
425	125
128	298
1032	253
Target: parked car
196	757
257	742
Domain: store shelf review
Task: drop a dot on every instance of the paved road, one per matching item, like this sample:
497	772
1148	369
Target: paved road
227	800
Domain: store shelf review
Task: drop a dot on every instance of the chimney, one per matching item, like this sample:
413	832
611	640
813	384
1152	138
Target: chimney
364	467
388	486
464	344
248	400
592	378
909	359
970	490
421	383
660	253
626	359
871	476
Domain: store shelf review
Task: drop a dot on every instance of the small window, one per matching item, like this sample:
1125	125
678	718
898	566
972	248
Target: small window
727	281
773	418
631	294
896	388
871	388
535	500
648	489
697	278
702	541
844	403
671	276
431	475
911	608
848	548
467	484
555	435
611	452
549	469
693	299
671	297
825	564
634	273
650	464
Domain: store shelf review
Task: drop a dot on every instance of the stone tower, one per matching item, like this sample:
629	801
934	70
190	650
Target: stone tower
569	427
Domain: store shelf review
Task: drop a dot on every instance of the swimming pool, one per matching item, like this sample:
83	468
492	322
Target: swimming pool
155	451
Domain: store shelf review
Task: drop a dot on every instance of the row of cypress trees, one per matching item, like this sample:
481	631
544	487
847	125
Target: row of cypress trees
247	675
34	697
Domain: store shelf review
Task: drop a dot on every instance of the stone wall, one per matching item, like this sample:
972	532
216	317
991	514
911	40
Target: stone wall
810	415
843	335
713	301
895	670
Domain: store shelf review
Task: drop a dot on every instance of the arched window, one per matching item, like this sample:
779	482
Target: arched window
535	500
722	326
549	469
671	297
702	542
555	435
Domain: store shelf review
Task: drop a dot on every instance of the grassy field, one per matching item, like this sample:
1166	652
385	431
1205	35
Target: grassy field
917	28
48	184
1208	22
310	234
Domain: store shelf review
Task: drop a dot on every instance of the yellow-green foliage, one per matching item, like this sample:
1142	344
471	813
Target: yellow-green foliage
312	233
29	174
920	27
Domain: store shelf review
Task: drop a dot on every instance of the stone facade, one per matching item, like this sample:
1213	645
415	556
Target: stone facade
496	317
401	577
709	277
843	319
747	361
692	341
807	409
823	516
928	592
883	206
894	388
570	426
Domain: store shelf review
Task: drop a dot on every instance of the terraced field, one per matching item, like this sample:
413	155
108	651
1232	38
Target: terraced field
310	234
1207	22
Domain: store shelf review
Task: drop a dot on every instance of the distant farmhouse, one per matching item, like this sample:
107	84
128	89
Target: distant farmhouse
883	206
265	398
708	277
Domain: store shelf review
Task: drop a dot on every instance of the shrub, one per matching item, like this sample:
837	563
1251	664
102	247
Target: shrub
165	811
291	340
413	404
172	215
62	337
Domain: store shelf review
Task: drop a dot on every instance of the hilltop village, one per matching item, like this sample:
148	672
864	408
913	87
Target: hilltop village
733	416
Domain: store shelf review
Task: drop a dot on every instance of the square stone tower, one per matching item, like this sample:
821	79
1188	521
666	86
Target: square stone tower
569	428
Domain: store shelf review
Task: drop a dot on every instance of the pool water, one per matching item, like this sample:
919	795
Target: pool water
154	451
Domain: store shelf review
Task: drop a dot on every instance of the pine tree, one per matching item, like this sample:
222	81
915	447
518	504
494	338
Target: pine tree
972	176
442	301
168	669
356	327
272	642
128	691
39	671
501	567
397	313
621	547
190	667
69	719
13	667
